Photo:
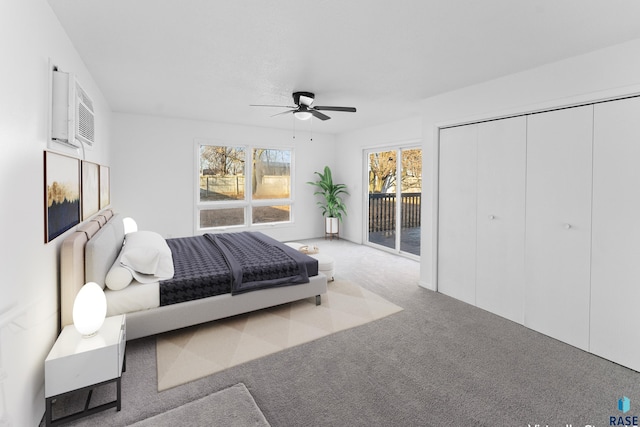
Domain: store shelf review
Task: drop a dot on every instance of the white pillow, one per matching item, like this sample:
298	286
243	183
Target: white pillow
141	245
143	259
118	277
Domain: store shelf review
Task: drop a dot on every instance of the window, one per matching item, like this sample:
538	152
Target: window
394	176
242	186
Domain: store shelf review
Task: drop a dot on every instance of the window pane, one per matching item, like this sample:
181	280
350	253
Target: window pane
221	217
271	174
412	170
263	214
221	173
411	193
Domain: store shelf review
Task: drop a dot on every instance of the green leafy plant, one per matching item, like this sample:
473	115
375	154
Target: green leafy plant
332	206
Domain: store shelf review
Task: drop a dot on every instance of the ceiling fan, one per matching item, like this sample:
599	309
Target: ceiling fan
303	108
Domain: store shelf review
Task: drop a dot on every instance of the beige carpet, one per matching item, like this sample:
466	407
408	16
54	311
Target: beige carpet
195	352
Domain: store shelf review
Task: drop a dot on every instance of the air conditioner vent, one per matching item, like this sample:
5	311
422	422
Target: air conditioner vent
84	98
84	117
85	124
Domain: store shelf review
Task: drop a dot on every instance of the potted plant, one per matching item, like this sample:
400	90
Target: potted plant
332	207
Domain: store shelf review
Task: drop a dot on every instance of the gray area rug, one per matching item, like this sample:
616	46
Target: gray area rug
231	407
438	362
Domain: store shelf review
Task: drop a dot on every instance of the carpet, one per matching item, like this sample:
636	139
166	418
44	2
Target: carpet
231	407
198	351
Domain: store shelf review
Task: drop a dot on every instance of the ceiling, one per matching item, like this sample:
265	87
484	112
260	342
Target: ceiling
211	59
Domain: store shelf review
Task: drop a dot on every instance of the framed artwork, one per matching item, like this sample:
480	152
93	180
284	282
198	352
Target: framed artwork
90	189
105	187
62	194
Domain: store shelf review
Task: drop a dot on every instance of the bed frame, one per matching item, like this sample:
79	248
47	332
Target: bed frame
166	318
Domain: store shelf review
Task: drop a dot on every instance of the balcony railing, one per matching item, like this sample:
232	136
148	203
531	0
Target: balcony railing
382	211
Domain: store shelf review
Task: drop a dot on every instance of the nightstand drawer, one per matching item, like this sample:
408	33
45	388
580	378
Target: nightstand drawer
76	362
122	344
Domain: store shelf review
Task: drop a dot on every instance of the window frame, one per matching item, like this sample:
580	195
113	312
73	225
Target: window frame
247	203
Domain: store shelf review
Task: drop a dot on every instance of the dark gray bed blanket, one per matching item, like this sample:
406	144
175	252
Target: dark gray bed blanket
257	262
215	264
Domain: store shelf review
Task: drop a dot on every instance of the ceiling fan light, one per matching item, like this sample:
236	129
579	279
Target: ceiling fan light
302	115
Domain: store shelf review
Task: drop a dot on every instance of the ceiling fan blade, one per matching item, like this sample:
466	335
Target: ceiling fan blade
318	114
279	106
284	112
345	109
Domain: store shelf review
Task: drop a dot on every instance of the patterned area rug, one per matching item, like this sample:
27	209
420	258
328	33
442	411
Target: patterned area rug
202	350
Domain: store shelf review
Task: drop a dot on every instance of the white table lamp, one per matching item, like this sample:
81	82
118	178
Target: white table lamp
89	309
130	225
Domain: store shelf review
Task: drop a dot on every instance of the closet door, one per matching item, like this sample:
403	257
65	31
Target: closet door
558	224
500	219
615	280
457	213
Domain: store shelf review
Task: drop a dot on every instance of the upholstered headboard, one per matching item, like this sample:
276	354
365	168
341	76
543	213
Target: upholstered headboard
86	256
102	250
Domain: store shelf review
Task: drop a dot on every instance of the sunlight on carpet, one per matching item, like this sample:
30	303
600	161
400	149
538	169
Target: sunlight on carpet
202	350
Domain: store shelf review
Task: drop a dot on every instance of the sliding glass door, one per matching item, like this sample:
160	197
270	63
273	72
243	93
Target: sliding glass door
394	193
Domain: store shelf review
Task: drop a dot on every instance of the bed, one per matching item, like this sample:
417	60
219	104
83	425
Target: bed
151	302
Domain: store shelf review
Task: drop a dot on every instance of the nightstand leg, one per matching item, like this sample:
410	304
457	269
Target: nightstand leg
119	393
48	411
88	401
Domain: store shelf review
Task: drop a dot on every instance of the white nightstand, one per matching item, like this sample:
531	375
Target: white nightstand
76	363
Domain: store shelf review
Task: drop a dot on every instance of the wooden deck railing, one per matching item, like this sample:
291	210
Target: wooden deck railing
382	211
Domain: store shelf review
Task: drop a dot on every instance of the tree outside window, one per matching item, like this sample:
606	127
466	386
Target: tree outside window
382	170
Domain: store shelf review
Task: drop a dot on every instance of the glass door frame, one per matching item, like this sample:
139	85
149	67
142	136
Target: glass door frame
408	145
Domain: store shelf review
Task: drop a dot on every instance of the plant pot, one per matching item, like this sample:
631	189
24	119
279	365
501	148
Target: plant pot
331	226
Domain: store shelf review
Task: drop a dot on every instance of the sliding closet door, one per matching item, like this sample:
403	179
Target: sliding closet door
457	213
615	286
500	219
558	224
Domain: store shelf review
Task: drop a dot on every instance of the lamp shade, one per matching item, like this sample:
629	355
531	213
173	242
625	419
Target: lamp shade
130	225
89	309
302	115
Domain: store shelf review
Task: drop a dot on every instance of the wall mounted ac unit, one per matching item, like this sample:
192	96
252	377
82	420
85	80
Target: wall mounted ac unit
72	114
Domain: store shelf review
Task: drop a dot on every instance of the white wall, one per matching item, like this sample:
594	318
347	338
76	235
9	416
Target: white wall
153	171
609	72
350	166
30	34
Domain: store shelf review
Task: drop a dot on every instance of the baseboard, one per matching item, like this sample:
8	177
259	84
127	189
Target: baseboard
426	285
